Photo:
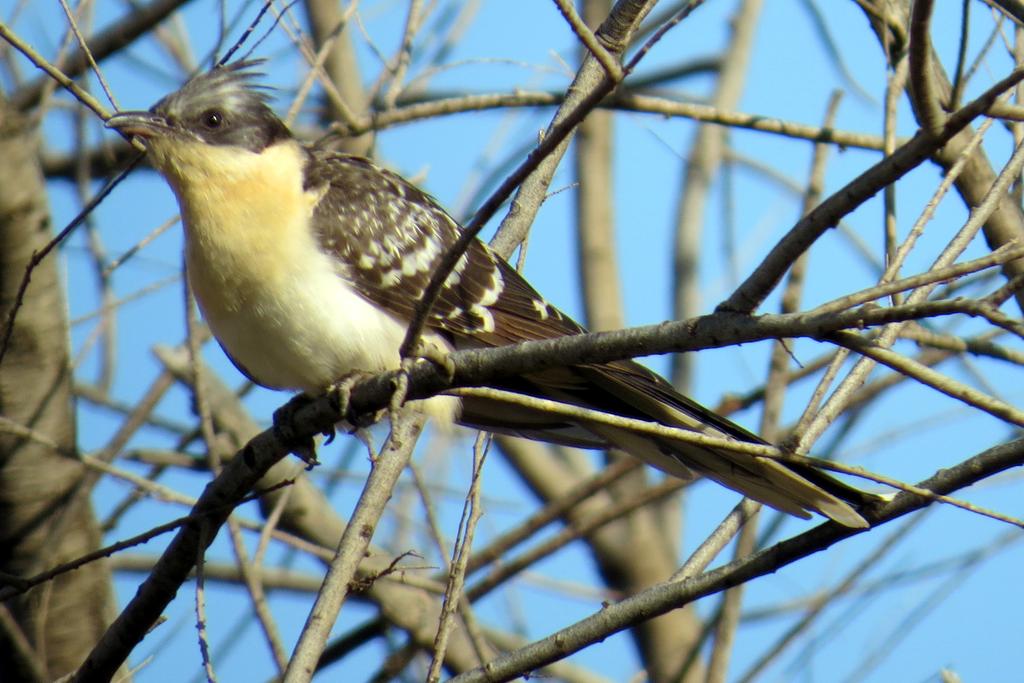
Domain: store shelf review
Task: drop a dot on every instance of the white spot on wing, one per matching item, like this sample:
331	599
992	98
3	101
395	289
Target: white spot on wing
391	278
491	294
541	307
485	316
422	259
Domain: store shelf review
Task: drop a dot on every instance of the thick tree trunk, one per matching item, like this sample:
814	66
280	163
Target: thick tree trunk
47	631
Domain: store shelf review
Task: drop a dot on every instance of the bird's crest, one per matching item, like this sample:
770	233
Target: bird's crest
232	87
226	107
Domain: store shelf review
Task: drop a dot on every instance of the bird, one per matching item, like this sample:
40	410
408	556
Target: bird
307	264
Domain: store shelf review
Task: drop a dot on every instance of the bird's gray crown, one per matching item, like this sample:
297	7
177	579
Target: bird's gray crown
225	106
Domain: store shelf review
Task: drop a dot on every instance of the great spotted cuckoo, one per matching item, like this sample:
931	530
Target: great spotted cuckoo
308	265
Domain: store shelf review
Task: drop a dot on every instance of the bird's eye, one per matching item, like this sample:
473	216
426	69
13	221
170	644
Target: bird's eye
213	119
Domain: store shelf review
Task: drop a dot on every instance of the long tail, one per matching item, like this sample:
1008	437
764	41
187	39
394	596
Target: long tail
798	490
628	389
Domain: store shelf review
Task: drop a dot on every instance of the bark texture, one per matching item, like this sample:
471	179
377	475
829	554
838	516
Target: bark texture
47	631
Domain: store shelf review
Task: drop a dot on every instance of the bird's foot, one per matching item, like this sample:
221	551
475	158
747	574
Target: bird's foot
340	394
423	351
435	355
284	430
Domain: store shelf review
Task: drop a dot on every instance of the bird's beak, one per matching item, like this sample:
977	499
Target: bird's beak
144	124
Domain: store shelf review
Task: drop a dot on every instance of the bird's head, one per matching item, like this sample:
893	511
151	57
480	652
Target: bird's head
219	113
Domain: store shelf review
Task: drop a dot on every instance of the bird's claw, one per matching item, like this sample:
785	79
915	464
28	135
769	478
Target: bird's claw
435	355
329	434
341	394
341	391
303	447
422	351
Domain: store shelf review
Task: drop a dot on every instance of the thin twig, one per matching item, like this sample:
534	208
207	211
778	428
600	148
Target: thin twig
471	512
53	72
405	427
38	256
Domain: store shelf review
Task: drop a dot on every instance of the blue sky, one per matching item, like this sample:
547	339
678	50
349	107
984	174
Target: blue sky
973	629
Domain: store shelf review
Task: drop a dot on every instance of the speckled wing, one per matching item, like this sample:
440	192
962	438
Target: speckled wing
388	236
